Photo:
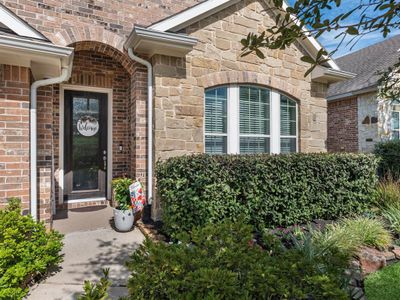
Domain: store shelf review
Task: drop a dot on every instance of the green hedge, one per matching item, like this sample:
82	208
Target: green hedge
389	155
268	190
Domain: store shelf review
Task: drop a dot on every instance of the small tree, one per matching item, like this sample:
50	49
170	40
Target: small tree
309	18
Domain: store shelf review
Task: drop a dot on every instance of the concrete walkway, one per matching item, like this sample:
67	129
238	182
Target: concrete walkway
87	252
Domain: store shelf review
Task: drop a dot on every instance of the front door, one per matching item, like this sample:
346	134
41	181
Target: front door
85	145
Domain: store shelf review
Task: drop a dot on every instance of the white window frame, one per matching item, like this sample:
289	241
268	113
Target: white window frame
216	134
391	118
297	125
233	123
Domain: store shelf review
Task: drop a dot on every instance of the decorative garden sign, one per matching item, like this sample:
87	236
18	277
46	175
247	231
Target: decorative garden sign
87	126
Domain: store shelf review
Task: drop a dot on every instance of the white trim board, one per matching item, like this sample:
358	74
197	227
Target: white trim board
209	7
64	87
17	25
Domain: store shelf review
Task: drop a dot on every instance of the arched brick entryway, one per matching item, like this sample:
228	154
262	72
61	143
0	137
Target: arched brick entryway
100	66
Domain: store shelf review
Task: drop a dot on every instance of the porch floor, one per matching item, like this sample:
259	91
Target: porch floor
90	245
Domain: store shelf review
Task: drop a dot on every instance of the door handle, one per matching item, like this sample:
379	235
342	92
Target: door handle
105	161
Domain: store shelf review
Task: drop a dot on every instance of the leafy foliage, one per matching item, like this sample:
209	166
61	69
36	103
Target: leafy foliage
389	154
268	190
370	232
317	17
350	234
388	193
97	291
121	192
27	250
223	262
392	216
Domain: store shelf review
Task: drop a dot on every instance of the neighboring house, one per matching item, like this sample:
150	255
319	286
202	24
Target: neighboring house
357	118
90	123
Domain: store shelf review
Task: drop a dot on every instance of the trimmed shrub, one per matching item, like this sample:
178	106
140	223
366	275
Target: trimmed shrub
27	250
389	154
268	190
223	262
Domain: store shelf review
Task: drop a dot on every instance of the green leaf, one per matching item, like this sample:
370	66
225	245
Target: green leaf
352	30
308	59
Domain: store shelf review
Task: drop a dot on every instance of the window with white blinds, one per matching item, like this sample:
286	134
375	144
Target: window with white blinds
288	125
216	120
254	119
395	120
249	119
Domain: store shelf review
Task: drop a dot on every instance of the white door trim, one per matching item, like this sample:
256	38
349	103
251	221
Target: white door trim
64	87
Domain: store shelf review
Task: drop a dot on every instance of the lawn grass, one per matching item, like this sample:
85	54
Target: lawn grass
383	285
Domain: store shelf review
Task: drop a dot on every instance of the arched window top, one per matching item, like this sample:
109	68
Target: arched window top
249	119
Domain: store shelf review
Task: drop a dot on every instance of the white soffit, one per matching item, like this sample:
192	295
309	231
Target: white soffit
327	75
17	25
152	42
209	7
44	59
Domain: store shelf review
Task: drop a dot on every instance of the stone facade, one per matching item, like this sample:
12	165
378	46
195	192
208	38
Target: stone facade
343	125
216	60
368	122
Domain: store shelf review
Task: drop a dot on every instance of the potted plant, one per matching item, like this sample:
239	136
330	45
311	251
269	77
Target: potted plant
123	213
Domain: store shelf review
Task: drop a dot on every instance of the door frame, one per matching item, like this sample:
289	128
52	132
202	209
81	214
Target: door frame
81	88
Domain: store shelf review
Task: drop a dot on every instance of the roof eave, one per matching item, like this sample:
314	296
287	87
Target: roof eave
328	75
150	42
44	59
192	15
18	25
200	11
365	90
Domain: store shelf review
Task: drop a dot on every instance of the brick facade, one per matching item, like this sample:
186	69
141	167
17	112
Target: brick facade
107	22
14	134
343	126
99	65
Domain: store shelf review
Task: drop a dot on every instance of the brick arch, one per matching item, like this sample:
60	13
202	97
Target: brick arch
232	77
107	50
74	34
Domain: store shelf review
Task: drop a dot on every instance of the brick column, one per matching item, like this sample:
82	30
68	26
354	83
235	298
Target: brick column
138	124
14	134
45	152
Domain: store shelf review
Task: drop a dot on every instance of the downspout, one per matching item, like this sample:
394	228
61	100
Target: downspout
149	121
65	74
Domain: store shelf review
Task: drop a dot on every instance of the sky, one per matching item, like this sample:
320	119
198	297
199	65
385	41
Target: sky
328	38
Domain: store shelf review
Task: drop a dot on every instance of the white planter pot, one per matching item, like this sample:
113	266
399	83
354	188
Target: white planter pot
123	219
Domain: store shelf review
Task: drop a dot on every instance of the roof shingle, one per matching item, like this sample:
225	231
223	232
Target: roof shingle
366	63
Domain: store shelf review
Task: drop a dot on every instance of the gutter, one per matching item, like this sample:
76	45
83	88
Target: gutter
65	74
353	93
149	121
40	47
141	33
